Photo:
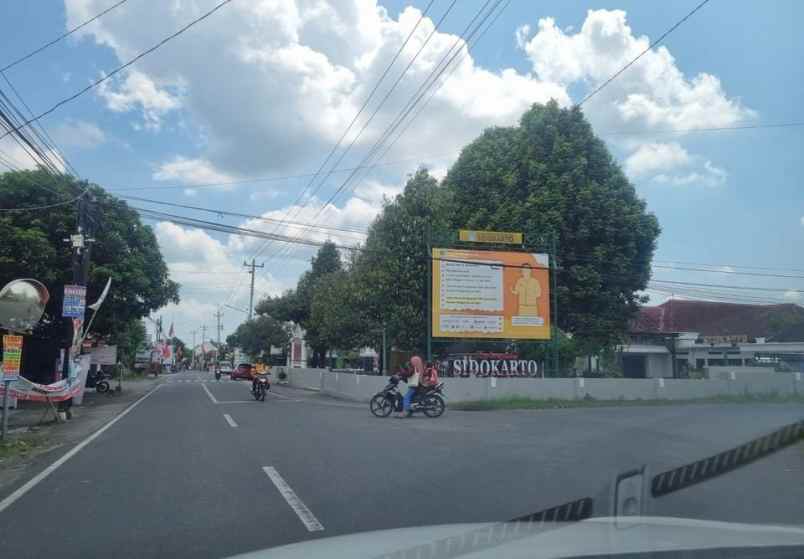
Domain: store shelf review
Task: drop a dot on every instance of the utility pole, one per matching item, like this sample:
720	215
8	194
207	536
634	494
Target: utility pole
251	271
203	337
195	357
218	316
80	244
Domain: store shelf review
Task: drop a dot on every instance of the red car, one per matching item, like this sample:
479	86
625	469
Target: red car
243	371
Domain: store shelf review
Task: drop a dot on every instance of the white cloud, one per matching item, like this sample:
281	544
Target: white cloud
191	172
652	158
13	155
669	163
139	91
708	175
375	192
272	85
653	93
210	274
792	296
79	134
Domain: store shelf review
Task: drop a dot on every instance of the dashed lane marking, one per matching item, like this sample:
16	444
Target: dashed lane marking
305	515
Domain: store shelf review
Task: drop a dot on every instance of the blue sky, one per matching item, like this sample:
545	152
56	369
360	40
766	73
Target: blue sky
265	92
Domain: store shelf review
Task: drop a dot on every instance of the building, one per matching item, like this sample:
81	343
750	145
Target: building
681	337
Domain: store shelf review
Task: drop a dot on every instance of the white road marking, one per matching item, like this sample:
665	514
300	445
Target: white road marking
211	397
31	483
305	515
229	420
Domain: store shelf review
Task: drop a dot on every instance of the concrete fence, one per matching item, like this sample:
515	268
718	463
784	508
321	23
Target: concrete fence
362	387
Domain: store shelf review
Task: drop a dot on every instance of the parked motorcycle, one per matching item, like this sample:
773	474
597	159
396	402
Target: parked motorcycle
260	387
430	401
98	380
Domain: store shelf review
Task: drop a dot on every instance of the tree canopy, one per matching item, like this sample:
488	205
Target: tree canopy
257	335
124	250
552	179
297	305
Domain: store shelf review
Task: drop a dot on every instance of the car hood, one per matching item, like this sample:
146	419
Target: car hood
598	536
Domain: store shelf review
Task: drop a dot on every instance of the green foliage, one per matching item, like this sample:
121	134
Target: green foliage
296	305
335	317
256	336
390	275
552	179
124	249
130	340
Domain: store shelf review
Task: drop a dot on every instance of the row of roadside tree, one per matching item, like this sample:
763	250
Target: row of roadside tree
549	177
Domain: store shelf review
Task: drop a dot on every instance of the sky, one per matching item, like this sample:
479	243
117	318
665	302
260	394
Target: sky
240	111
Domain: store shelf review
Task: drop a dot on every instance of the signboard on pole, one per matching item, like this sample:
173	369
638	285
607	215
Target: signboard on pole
490	294
104	355
495	237
75	299
12	357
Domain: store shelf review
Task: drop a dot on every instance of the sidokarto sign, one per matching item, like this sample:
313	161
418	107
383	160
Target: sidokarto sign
490	365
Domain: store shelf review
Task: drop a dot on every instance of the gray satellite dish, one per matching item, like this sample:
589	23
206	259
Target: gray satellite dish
22	304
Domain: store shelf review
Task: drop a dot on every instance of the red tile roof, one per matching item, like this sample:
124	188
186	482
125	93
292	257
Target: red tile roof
714	319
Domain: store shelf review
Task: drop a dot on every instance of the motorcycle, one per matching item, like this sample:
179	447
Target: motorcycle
99	381
430	401
261	386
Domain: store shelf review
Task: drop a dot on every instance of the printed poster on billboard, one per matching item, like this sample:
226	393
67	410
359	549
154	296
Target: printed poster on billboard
490	294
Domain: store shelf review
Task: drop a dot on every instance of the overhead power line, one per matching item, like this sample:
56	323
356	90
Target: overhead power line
344	229
428	83
112	73
61	37
202	224
379	105
652	45
745	287
736	272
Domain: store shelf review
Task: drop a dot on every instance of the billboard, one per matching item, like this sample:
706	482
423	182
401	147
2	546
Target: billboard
490	294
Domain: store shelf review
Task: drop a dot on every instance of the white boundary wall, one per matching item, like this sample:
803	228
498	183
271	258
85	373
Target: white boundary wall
362	387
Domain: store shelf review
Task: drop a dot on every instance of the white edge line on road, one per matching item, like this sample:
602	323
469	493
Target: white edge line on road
211	397
305	515
31	483
229	420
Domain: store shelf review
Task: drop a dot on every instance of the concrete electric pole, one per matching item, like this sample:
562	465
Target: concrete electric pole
252	267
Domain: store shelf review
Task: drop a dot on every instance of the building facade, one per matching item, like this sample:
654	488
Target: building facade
682	338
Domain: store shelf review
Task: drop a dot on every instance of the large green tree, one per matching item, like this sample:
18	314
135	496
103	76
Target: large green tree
390	273
256	336
552	179
296	305
33	245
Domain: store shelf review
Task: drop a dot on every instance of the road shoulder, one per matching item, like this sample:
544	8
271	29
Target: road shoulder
36	447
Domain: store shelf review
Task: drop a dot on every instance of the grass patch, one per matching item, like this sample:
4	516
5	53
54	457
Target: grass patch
525	403
21	446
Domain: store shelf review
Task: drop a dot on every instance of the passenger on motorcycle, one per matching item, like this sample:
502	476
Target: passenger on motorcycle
257	374
413	377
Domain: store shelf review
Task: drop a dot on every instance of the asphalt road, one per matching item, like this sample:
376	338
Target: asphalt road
199	469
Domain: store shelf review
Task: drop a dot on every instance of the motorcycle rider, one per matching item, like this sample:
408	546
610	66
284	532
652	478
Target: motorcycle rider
411	376
256	374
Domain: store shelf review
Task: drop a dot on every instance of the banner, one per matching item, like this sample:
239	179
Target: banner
73	387
490	294
75	299
12	357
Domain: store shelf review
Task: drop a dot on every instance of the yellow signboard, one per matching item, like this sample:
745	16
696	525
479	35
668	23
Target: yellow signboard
490	294
497	237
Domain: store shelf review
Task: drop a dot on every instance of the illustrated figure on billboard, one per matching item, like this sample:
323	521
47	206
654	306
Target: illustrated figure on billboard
528	289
